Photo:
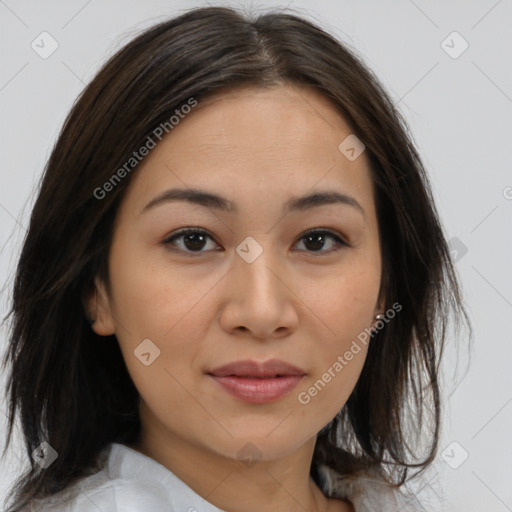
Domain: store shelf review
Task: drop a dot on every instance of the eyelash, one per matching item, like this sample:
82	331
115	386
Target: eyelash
168	241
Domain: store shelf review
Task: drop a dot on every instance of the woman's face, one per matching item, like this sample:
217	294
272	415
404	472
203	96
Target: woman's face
251	283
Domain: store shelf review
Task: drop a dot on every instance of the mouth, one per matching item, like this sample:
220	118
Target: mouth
257	383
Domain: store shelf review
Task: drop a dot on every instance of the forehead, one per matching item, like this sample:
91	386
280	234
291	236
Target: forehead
250	140
243	117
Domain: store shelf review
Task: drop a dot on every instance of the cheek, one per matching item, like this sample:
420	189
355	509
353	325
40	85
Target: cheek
329	385
162	304
345	308
343	303
153	296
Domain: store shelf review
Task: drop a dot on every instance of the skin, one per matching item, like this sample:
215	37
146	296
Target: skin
204	306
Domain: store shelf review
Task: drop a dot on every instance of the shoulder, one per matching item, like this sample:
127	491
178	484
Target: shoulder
110	489
126	481
367	491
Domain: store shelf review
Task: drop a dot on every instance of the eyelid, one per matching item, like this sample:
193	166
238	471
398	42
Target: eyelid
340	239
185	231
328	231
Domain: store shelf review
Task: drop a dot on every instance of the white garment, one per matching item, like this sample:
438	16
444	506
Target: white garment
367	492
132	482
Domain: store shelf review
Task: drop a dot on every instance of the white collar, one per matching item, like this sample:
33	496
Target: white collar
130	481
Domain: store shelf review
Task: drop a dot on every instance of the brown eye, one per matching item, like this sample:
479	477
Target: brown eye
193	240
316	240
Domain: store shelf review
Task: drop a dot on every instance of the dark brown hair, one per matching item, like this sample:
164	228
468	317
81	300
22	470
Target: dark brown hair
70	387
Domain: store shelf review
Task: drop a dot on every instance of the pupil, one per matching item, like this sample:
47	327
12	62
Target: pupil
195	241
319	238
194	238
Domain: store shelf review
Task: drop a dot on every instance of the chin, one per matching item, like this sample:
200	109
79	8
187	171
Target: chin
255	445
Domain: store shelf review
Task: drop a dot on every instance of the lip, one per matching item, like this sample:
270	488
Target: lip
258	383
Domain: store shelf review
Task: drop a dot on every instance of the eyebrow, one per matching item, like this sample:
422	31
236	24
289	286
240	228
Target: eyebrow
214	201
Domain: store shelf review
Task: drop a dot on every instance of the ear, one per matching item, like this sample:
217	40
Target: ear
380	307
98	309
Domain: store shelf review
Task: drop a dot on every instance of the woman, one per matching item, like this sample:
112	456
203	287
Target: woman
234	288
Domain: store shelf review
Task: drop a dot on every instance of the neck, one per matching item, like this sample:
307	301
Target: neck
265	485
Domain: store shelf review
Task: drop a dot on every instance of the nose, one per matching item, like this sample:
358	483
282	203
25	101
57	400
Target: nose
260	300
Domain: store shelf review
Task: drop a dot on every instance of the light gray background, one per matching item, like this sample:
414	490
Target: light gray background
459	111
